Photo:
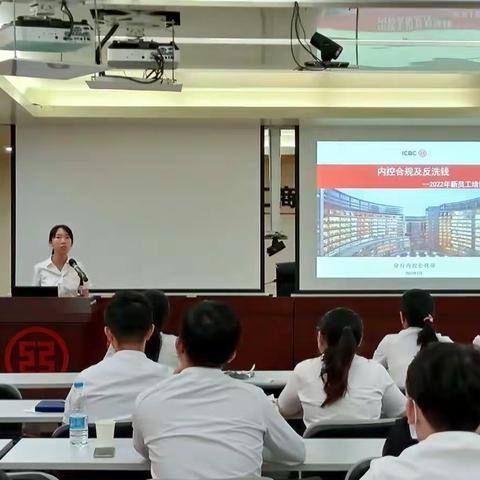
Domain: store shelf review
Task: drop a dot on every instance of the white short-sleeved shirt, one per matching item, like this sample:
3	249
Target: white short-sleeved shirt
476	341
371	393
396	351
202	424
168	352
441	456
112	385
46	274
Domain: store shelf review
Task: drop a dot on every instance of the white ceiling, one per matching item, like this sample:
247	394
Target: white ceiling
236	64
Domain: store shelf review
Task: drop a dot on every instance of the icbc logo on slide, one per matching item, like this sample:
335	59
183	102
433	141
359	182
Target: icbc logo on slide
422	153
36	349
413	153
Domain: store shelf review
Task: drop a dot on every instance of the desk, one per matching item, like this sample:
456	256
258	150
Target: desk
23	411
58	454
333	454
269	378
39	380
262	378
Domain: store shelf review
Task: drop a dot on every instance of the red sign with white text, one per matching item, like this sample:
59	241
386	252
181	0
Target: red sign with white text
398	176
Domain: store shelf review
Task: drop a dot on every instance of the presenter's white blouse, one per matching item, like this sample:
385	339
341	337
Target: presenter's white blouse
396	351
168	352
371	394
441	456
202	424
46	274
112	385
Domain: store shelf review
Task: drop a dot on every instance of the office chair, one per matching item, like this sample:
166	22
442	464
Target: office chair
10	430
27	476
359	470
378	429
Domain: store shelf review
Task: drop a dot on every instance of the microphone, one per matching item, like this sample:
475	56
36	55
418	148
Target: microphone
80	272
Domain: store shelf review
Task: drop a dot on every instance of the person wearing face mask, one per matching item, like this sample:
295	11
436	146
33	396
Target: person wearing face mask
443	411
339	385
396	351
56	271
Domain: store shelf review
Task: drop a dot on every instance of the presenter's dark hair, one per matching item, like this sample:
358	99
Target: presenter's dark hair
129	316
210	333
161	310
417	308
342	330
444	381
54	230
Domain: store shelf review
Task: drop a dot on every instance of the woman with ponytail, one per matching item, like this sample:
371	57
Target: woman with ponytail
339	385
161	346
396	351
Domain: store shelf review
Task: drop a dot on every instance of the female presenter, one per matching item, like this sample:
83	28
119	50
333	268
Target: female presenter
59	270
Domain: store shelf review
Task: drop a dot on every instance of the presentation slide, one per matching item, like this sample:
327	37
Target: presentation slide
398	210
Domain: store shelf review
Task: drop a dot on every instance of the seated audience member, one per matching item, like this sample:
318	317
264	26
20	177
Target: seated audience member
396	351
112	385
221	424
339	385
443	409
160	347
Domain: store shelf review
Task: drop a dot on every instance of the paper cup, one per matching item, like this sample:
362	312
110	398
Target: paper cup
105	432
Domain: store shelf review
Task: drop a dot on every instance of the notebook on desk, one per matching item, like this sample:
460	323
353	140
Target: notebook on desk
30	291
51	406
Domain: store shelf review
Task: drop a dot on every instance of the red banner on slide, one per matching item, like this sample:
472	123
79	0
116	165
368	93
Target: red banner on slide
398	176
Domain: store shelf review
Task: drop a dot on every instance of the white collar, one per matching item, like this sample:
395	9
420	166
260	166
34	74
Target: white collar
129	353
409	330
453	436
203	371
49	263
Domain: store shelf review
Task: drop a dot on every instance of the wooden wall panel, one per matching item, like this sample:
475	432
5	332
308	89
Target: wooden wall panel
456	317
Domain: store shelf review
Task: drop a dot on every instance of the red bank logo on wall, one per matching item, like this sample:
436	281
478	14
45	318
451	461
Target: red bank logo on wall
36	349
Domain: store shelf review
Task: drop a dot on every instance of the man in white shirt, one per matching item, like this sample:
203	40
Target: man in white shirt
443	409
221	424
112	385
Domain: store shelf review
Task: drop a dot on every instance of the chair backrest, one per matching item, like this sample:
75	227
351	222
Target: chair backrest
122	430
398	439
377	429
29	476
359	470
9	392
10	430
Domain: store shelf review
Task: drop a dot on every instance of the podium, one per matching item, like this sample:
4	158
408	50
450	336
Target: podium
50	334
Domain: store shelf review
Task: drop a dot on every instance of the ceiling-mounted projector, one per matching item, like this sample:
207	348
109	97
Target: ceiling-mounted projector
116	82
140	54
35	34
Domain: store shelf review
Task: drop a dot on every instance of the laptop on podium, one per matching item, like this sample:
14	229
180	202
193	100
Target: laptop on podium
30	291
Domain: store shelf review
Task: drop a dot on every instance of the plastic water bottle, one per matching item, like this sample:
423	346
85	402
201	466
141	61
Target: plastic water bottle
78	420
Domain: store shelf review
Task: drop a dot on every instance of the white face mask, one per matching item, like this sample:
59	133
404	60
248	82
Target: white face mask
413	430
